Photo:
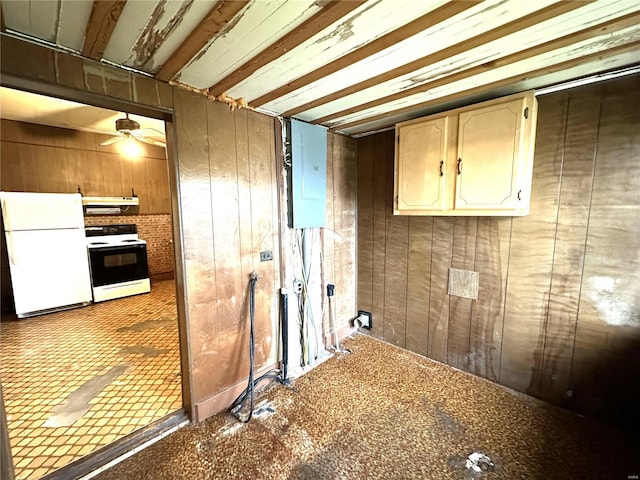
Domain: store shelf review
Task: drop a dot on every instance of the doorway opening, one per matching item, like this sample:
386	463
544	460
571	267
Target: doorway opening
76	381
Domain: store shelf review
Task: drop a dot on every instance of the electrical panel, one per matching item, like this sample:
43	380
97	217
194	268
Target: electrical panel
307	149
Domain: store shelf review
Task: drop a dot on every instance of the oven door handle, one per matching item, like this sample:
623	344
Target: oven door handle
116	248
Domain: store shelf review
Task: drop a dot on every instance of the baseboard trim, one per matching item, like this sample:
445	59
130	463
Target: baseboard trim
159	277
223	400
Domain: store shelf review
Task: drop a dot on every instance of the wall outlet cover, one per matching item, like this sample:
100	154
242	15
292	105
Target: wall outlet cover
368	324
266	256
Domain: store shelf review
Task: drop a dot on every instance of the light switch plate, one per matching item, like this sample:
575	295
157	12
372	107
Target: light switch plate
464	283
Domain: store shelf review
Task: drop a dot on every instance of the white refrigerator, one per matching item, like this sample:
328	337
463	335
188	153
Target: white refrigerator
47	251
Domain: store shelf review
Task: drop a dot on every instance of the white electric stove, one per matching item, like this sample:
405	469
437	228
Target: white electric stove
118	261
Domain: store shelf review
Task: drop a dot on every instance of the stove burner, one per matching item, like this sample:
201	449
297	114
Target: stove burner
97	243
130	240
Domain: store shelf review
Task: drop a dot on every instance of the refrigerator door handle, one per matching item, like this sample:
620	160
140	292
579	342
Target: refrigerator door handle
5	214
10	249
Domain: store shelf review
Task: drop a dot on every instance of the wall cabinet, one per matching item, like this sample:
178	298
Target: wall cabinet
475	160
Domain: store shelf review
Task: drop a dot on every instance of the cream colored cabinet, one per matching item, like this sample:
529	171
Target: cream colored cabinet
421	184
474	160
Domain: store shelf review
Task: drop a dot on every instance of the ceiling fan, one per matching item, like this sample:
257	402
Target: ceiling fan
129	130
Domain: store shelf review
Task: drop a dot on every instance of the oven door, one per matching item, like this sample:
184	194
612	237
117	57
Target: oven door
118	263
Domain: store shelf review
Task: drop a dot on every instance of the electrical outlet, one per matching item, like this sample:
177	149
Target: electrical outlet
364	320
297	286
266	256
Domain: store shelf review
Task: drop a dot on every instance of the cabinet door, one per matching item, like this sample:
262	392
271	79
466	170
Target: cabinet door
420	166
489	146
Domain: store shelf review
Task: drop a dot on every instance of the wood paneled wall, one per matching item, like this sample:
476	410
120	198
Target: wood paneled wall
229	205
339	234
34	62
225	201
39	158
558	313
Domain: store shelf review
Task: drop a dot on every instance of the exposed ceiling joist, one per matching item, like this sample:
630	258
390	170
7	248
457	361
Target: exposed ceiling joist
330	14
211	25
534	18
352	65
102	22
629	47
430	19
150	39
591	32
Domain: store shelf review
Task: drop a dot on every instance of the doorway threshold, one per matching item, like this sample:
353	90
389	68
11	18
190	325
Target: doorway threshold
96	462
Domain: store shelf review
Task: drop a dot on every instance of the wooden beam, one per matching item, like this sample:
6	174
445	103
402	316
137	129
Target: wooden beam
534	18
211	25
102	21
428	20
591	32
629	47
321	20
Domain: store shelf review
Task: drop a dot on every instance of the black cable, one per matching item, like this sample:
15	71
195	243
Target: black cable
284	298
249	392
240	401
252	341
271	374
302	339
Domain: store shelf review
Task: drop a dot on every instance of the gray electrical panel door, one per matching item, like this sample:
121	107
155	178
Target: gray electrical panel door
309	175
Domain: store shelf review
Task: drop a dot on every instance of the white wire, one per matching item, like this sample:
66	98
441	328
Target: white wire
297	258
306	315
283	134
322	311
305	287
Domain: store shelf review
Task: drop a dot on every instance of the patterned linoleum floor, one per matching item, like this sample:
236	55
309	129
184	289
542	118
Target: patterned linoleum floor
383	413
77	380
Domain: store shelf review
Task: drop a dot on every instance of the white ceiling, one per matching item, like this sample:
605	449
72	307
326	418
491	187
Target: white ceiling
352	65
42	110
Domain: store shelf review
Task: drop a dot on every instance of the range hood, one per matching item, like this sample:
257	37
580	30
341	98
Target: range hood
109	205
109	201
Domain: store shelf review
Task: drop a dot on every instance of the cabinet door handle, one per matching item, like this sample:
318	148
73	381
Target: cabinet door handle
459	166
441	164
519	194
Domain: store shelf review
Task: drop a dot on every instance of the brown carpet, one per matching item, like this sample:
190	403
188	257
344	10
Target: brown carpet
385	413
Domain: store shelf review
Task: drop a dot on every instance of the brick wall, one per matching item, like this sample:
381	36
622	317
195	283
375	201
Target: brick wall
155	230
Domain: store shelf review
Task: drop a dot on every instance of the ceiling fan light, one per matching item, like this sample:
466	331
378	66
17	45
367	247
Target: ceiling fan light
131	148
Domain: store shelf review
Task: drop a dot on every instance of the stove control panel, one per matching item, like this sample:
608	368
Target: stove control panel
104	230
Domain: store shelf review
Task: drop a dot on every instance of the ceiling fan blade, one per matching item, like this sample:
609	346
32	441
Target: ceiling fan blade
150	132
112	140
150	141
